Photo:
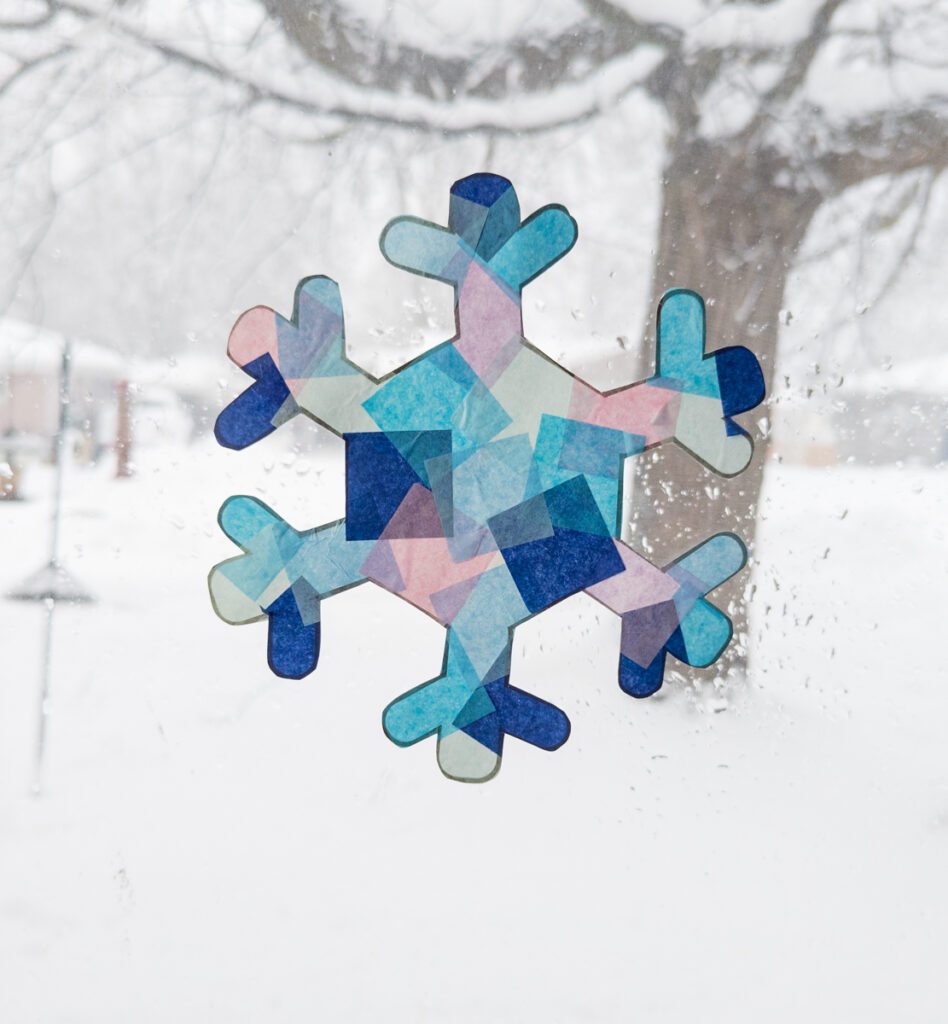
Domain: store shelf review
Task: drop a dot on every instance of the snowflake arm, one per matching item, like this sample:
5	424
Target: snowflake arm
664	610
299	365
282	576
692	397
484	234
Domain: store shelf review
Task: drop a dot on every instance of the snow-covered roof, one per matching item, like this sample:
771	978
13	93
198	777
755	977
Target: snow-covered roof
30	349
185	372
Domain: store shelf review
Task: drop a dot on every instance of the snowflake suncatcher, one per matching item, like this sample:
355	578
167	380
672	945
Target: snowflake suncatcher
483	480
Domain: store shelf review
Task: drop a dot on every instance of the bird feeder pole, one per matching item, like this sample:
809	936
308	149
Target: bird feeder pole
52	583
50	599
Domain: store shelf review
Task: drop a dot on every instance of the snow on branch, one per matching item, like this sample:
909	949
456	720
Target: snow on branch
355	51
24	24
317	88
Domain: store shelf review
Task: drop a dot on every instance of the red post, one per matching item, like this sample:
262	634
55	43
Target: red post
123	431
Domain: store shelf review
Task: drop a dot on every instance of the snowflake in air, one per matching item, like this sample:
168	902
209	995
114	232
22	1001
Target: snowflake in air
483	480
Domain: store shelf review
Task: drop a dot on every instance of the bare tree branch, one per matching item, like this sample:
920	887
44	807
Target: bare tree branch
29	249
803	55
911	243
618	20
884	217
888	142
29	65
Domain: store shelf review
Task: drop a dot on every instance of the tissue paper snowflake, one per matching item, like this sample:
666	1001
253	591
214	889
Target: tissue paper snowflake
483	480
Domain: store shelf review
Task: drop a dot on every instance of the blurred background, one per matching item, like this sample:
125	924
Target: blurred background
211	843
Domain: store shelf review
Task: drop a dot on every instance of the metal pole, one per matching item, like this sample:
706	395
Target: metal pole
60	444
50	601
50	604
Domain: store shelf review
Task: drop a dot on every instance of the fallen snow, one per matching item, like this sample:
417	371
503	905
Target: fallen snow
216	845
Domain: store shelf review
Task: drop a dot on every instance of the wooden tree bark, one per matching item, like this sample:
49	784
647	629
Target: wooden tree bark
729	231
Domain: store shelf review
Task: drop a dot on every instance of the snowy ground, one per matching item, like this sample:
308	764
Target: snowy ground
217	845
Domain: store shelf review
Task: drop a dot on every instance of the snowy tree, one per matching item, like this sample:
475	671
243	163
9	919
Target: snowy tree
769	109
